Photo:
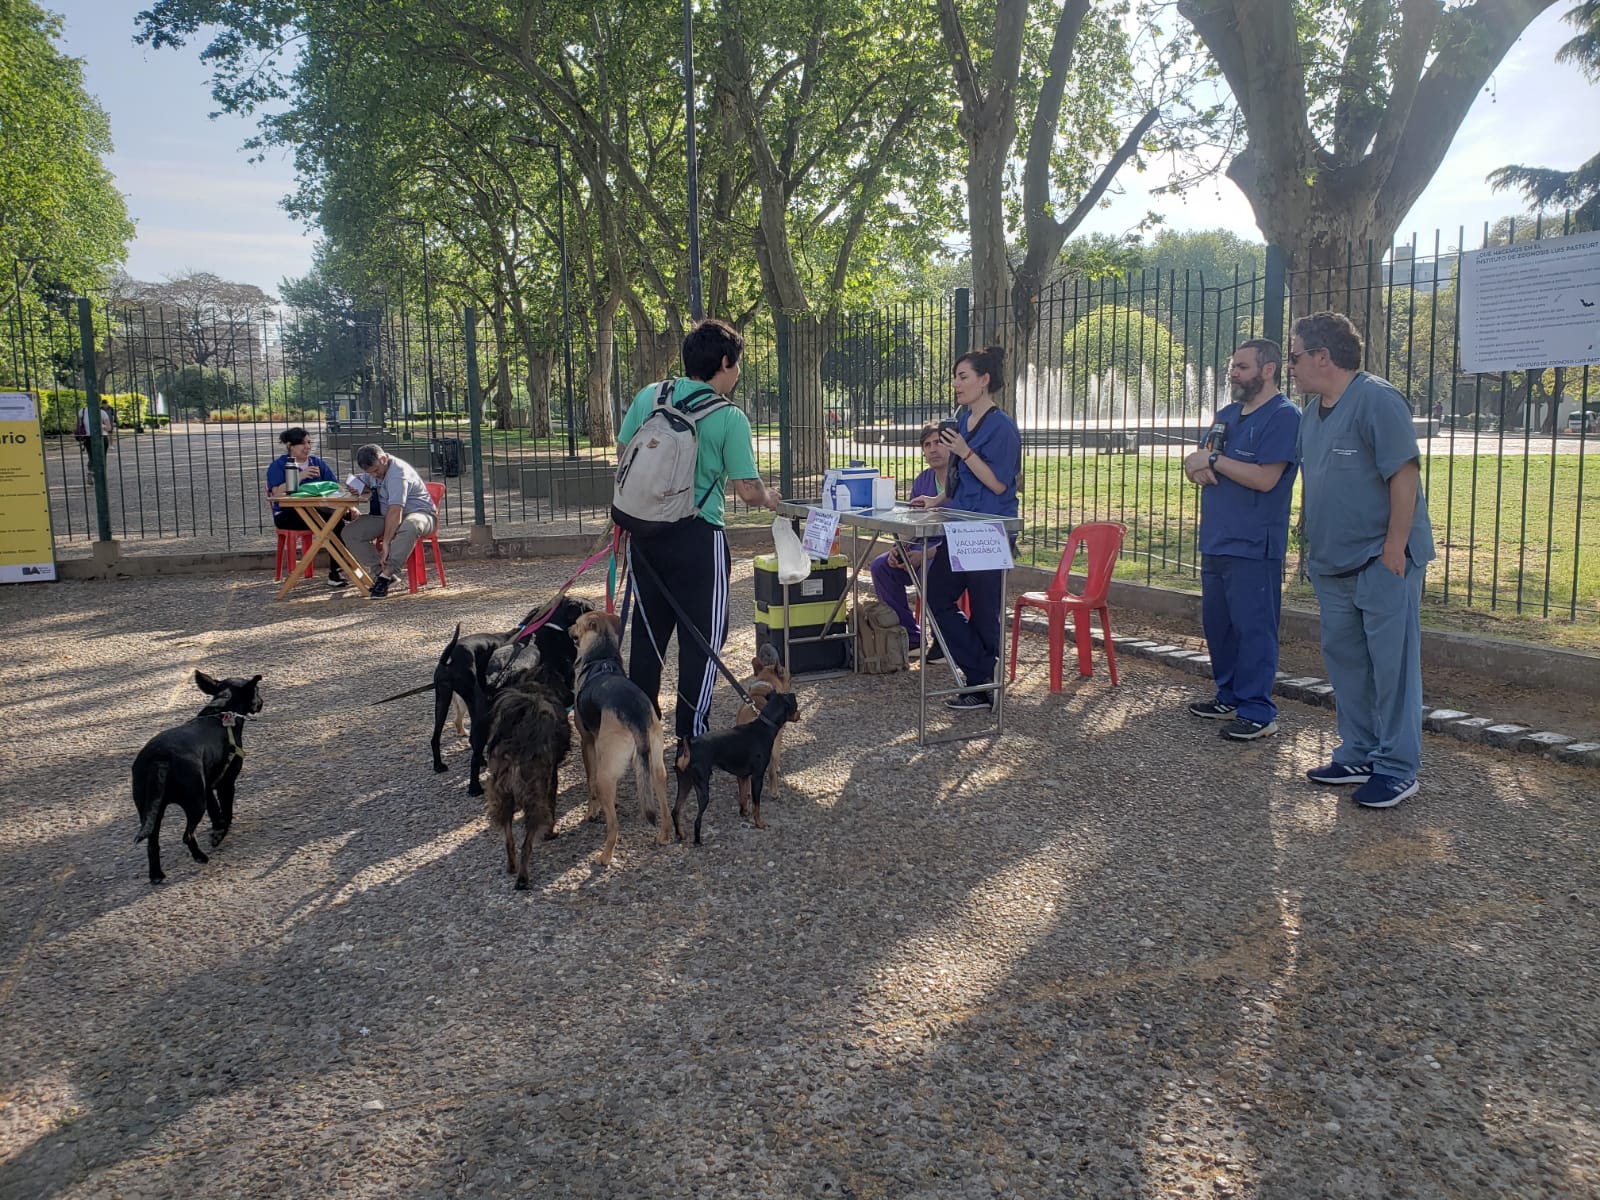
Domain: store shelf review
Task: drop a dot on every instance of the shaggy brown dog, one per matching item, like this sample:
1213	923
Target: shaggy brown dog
527	740
770	676
617	725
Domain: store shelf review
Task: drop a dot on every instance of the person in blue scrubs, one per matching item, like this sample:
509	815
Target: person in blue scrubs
1246	466
985	463
1368	545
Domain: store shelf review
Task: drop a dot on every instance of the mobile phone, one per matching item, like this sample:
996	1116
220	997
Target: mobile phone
952	426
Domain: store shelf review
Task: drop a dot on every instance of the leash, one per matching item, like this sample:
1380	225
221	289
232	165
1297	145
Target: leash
684	623
603	545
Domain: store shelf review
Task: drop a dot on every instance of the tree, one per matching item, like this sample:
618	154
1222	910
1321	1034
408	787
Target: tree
1348	106
1550	187
331	341
62	219
1081	58
1123	364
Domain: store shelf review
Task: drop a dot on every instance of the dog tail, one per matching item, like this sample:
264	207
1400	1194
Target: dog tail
154	790
444	655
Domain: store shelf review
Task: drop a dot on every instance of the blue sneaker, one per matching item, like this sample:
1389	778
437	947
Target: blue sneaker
1340	773
1384	791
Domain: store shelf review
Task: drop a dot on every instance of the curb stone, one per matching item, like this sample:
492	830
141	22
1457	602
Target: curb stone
1308	689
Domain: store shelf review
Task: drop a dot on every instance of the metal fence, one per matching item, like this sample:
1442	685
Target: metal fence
1113	380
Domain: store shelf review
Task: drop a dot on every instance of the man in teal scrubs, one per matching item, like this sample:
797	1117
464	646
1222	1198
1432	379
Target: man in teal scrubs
1368	543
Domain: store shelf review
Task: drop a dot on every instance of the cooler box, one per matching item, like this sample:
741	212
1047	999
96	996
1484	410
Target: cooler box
811	602
858	479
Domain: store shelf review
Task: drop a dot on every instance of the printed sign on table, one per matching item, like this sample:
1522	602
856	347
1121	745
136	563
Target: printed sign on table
27	552
977	546
822	526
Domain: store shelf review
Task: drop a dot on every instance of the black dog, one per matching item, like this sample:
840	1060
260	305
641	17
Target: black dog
195	766
468	666
528	737
743	752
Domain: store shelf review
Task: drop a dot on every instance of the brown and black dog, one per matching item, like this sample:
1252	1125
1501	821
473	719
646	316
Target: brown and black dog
617	725
770	676
528	737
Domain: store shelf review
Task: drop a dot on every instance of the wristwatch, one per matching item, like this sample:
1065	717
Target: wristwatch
1213	460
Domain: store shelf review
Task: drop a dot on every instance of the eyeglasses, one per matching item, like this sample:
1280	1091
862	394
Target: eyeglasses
1296	355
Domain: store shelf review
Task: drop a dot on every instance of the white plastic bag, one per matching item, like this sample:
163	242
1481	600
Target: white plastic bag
794	564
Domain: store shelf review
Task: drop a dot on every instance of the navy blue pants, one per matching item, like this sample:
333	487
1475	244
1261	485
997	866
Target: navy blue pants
974	644
1241	599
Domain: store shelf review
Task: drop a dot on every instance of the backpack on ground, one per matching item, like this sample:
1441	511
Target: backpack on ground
655	476
884	644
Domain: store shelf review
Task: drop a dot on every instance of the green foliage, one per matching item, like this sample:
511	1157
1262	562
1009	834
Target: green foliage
195	391
60	212
1136	347
58	409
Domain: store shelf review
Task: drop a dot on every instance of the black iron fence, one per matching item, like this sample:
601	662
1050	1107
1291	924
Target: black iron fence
1112	380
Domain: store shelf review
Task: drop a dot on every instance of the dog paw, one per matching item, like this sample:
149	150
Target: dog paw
217	835
158	879
522	883
439	767
474	789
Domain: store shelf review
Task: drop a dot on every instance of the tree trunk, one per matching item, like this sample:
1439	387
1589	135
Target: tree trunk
505	415
807	430
541	362
601	429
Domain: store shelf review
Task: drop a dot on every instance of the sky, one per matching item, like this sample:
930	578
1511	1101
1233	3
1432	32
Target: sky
201	205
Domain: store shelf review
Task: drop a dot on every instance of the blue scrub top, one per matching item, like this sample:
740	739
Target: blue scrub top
1240	521
999	444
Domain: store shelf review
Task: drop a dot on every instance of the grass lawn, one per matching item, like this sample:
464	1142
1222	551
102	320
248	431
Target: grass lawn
1528	570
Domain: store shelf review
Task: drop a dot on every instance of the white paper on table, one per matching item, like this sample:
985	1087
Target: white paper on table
977	546
822	525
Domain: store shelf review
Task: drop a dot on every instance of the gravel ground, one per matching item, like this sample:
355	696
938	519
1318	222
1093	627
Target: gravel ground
1106	956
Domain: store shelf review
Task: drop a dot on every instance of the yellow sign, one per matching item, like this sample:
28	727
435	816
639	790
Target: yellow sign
27	552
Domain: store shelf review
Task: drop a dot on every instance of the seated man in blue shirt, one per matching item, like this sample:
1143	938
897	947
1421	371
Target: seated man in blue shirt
382	543
892	574
1246	466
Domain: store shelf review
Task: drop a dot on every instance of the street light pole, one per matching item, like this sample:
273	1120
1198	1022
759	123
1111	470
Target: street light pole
566	298
696	303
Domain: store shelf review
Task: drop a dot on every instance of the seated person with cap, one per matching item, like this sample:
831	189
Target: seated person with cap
382	542
891	573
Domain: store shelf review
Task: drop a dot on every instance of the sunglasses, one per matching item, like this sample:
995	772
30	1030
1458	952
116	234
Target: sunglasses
1296	355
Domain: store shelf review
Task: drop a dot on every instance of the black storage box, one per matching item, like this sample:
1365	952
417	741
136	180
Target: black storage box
811	602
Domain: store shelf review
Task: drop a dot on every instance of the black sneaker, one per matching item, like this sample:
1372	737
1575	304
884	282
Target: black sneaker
934	653
1338	774
969	700
1242	729
336	578
1212	710
380	589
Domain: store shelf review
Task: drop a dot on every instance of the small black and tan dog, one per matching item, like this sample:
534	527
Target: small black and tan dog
466	669
770	676
617	725
195	766
743	752
528	737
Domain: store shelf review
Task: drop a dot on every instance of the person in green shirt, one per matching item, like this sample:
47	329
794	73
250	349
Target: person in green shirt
690	559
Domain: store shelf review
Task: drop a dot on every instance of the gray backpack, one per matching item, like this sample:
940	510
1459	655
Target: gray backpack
655	477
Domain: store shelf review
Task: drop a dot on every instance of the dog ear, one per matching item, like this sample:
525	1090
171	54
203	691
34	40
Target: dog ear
255	679
206	684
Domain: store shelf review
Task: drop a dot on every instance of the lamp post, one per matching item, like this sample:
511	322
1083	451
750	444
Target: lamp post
566	299
696	304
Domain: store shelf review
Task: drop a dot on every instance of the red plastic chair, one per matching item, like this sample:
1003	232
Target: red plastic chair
416	565
1102	541
292	544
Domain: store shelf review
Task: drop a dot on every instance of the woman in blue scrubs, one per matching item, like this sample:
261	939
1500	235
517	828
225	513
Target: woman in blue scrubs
985	462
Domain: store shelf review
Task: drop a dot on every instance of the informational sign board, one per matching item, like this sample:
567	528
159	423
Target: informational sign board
977	546
822	525
27	553
1532	305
